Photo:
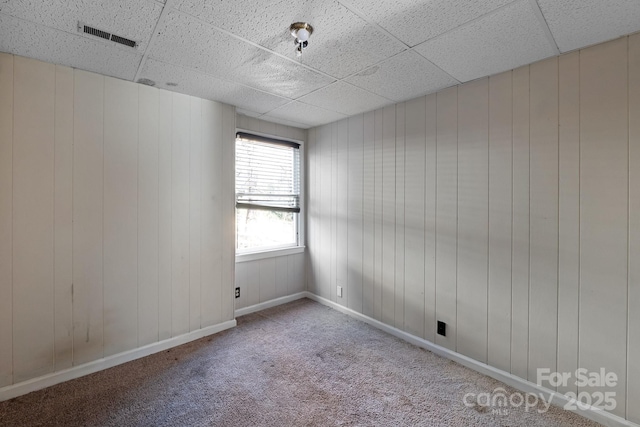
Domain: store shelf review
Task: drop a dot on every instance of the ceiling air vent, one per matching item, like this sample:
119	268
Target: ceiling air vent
106	35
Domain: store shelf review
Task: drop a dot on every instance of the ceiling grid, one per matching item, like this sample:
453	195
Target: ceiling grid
361	56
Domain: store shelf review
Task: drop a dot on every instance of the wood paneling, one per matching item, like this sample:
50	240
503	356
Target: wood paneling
148	215
414	271
342	206
88	186
180	143
211	237
226	181
195	214
568	214
430	219
120	216
520	227
6	219
33	218
368	212
102	243
377	213
543	208
400	220
500	214
447	213
354	212
165	247
388	213
473	218
633	374
63	219
604	185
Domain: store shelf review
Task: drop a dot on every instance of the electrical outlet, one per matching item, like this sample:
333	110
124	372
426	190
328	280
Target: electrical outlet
339	291
442	328
238	292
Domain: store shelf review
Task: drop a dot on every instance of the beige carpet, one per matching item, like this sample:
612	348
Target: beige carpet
294	365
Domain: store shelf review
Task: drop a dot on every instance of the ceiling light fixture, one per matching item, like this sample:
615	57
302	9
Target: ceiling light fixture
301	31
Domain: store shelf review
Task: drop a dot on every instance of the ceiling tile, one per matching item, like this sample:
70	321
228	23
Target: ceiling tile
205	86
46	44
304	115
248	113
133	19
506	39
345	98
184	40
415	21
579	23
286	122
403	77
342	43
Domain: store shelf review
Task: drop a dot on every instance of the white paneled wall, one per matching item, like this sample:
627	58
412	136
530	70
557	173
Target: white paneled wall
113	217
507	207
265	279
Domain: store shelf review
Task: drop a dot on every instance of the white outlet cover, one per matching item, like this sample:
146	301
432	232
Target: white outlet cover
340	291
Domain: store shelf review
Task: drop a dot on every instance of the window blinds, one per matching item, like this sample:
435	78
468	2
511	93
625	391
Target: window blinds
267	173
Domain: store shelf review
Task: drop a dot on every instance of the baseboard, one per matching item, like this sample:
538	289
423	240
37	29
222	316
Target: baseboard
15	390
557	399
268	304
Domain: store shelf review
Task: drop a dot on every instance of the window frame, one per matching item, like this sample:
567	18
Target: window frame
269	252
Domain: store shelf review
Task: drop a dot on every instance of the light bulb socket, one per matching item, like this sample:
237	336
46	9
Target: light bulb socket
298	26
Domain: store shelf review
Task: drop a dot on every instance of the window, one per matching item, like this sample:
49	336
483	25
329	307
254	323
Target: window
267	193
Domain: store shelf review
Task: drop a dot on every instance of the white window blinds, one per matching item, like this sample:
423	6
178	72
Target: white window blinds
267	173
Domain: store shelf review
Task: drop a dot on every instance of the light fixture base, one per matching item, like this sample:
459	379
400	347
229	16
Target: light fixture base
296	26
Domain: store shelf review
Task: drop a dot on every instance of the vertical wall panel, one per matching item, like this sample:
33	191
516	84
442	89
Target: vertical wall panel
388	213
325	236
120	216
195	207
63	218
400	221
331	225
378	219
430	220
88	303
520	228
165	246
227	189
211	236
414	258
368	231
33	206
180	137
342	209
354	213
543	291
568	214
296	273
312	216
148	215
473	218
633	374
6	221
267	279
500	201
447	213
604	212
282	276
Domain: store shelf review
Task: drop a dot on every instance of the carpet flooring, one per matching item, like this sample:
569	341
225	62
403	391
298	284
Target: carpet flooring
299	364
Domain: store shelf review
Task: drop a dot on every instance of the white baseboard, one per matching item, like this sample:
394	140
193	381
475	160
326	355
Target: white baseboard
271	303
15	390
557	399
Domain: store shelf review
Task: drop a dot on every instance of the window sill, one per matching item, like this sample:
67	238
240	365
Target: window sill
271	253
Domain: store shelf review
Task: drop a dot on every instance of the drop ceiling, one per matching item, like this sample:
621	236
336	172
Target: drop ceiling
362	55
